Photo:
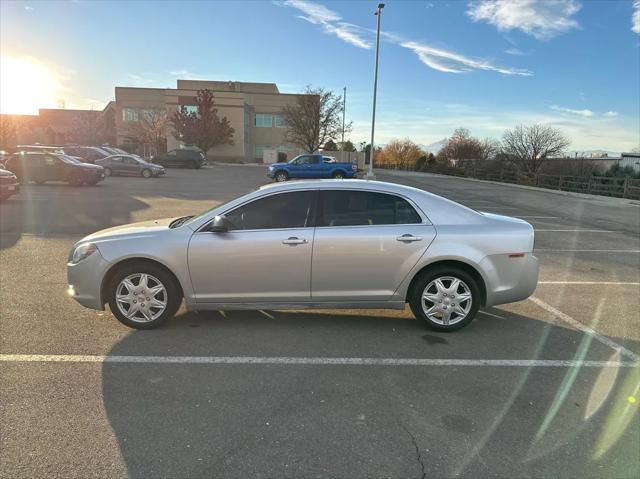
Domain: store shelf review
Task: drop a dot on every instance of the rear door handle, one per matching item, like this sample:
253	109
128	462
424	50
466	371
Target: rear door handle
408	238
294	240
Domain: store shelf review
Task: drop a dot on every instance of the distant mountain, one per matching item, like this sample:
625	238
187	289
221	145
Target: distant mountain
434	147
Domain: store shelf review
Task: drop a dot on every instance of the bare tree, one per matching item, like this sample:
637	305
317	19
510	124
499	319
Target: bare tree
89	130
489	148
313	119
529	146
151	129
460	147
8	132
203	128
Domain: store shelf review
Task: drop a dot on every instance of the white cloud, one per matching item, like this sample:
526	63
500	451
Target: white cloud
585	113
541	19
514	51
29	8
451	62
635	18
330	22
611	114
436	58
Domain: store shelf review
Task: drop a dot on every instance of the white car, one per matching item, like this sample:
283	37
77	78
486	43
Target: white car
311	244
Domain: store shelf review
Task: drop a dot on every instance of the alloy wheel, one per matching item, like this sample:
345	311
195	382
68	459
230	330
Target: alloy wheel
141	297
447	300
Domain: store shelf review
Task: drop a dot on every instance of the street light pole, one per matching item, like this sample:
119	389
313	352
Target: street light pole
370	175
344	107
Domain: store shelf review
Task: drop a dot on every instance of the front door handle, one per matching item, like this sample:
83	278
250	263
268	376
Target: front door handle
294	240
408	238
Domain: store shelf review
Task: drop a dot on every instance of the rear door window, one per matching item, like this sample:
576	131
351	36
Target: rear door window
362	208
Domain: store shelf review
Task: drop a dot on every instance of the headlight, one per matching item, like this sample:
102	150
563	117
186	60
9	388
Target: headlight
83	251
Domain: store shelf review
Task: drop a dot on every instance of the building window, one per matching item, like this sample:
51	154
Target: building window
264	120
129	114
260	150
189	108
279	121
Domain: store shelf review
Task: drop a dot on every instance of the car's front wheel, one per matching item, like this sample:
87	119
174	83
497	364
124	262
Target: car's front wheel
338	175
447	299
146	173
107	172
143	296
281	176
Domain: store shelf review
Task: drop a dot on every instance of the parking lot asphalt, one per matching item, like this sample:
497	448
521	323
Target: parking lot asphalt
547	387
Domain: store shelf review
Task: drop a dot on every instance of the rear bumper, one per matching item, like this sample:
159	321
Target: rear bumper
509	279
85	280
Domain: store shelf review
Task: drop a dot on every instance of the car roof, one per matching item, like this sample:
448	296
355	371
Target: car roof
439	210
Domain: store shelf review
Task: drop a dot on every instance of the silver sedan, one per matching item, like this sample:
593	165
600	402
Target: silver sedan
311	244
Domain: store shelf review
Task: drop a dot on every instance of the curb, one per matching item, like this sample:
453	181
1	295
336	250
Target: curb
621	201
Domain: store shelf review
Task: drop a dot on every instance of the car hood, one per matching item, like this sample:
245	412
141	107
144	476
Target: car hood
5	173
154	165
278	164
143	228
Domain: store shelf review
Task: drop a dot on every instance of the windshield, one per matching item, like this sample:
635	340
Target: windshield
68	159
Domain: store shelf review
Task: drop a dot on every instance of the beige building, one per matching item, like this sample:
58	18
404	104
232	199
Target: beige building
253	109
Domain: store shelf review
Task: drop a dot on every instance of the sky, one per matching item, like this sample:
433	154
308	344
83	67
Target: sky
485	65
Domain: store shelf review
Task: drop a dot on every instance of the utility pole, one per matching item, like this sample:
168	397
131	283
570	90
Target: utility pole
344	107
370	175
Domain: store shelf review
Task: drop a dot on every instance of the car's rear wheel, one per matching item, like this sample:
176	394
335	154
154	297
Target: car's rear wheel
446	298
281	176
146	173
143	296
338	175
107	172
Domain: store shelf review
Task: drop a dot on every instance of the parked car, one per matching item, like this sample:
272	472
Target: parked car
181	157
42	167
311	166
9	184
315	244
113	150
88	154
129	165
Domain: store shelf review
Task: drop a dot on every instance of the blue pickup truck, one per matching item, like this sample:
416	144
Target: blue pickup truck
311	166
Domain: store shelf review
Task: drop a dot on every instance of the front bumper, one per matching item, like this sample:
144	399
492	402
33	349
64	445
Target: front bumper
85	280
509	279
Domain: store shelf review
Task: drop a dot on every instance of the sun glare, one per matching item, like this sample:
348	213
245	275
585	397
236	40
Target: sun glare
25	86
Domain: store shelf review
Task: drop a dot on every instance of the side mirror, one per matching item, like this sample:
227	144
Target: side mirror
220	224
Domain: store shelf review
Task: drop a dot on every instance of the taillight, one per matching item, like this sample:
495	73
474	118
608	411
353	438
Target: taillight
516	255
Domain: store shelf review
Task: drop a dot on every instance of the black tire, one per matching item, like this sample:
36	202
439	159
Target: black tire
108	172
173	292
338	175
418	288
193	165
146	173
281	176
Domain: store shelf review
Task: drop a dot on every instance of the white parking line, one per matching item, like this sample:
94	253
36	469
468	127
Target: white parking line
574	231
312	361
616	283
539	217
588	250
585	329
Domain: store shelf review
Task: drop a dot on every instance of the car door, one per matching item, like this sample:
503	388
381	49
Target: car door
130	165
54	169
365	244
266	257
171	159
301	167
